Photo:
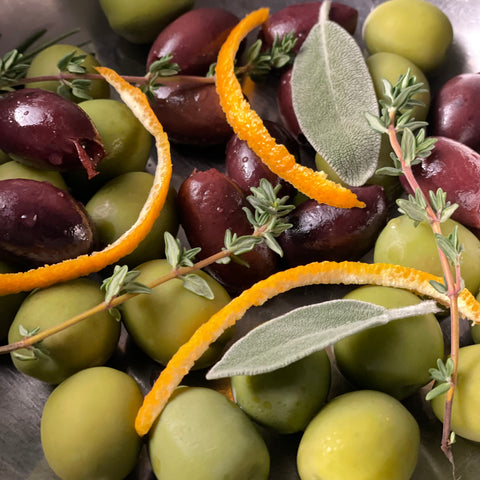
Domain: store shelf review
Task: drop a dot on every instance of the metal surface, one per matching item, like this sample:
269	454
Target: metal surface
22	398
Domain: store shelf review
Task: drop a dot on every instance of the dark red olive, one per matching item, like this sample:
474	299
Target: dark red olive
190	112
244	166
41	224
301	17
194	39
48	131
285	104
209	204
321	232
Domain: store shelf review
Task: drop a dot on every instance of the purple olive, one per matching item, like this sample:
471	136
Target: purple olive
321	232
456	112
41	224
194	39
48	131
209	204
246	168
455	168
285	104
190	112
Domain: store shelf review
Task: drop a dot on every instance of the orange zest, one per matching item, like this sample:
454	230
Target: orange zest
355	273
248	126
96	261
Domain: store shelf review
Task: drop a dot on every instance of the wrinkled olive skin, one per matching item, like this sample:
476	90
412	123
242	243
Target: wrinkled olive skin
455	112
87	427
47	131
40	223
302	17
87	344
194	39
321	232
455	168
199	121
9	304
14	169
202	435
246	168
209	204
286	399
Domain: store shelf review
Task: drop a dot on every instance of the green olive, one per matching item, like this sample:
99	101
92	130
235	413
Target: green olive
162	322
45	63
14	169
202	435
86	344
87	427
393	358
9	304
116	206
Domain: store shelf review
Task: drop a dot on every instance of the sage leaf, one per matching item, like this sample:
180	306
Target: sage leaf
303	331
332	91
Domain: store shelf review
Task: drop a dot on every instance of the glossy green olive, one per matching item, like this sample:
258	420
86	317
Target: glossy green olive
162	322
393	358
13	169
202	435
45	63
363	435
87	427
86	344
415	29
401	243
116	206
285	400
9	304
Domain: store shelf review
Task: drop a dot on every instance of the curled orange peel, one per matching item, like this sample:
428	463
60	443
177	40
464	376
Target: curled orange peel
96	261
248	126
355	273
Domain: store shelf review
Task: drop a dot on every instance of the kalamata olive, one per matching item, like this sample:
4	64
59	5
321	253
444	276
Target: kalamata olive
455	168
194	39
48	131
300	19
285	104
244	166
190	112
455	113
209	204
40	223
322	232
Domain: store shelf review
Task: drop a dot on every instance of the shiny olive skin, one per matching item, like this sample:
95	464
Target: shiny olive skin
14	169
286	399
87	427
40	223
300	19
47	131
246	168
202	435
455	112
87	344
321	232
209	204
200	120
455	168
285	104
194	39
9	304
160	323
45	64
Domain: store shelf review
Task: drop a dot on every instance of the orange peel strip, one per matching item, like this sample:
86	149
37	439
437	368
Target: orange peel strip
248	126
314	273
96	261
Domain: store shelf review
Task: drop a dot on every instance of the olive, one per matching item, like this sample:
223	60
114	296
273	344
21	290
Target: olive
40	223
9	304
194	39
322	232
14	169
4	158
116	207
363	435
393	358
160	323
87	426
286	399
86	344
45	64
202	435
48	131
285	104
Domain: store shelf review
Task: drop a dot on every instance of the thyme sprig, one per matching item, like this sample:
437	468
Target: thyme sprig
161	68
